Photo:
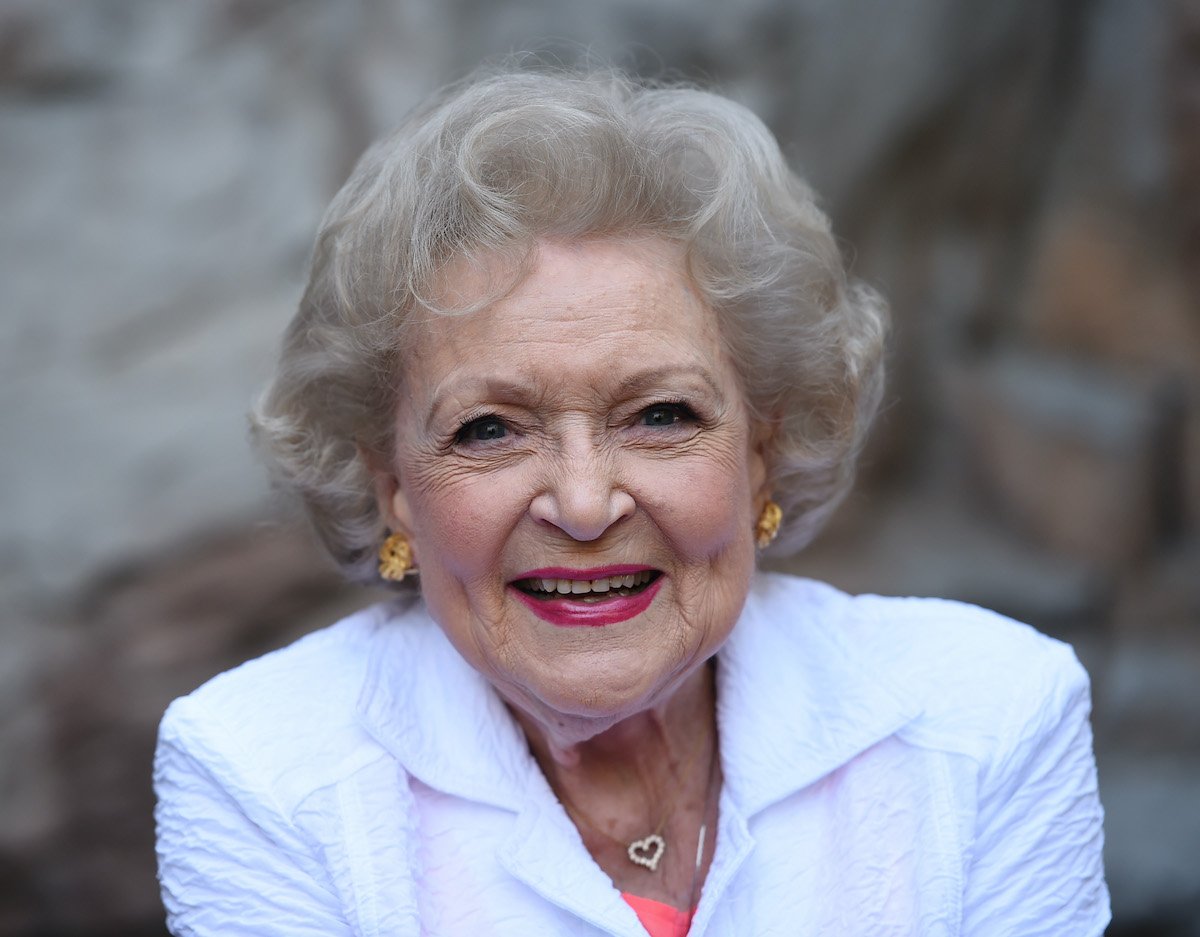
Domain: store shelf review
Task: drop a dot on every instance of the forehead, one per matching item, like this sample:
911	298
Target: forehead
586	311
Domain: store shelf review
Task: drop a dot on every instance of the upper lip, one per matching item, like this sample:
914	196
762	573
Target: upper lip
592	572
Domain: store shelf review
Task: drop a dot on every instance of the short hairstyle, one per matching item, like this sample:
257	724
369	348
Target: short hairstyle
514	154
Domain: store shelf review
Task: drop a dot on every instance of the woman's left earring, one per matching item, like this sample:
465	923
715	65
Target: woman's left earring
768	524
395	558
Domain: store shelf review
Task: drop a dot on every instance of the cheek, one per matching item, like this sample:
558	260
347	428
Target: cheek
461	528
704	508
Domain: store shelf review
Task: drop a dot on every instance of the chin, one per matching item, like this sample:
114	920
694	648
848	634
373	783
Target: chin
592	698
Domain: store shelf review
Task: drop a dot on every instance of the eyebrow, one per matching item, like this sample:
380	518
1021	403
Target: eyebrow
492	387
482	386
648	377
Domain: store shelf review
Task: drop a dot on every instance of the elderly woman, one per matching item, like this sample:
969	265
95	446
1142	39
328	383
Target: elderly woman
573	351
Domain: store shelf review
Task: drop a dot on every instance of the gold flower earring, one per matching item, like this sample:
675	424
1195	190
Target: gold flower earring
395	558
768	524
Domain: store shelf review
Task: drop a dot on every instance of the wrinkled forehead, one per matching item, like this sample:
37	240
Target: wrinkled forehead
482	283
578	313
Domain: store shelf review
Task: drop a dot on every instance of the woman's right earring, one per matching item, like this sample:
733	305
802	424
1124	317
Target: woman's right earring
395	558
768	524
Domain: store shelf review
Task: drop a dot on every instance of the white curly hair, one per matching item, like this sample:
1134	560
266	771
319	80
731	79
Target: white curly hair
515	154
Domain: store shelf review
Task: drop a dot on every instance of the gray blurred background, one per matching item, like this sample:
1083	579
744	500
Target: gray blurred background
1020	177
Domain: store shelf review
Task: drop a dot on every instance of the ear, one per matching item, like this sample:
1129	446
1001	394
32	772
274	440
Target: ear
760	462
389	493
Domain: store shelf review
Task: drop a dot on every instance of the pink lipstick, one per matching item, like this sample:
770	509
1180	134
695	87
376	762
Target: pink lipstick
607	606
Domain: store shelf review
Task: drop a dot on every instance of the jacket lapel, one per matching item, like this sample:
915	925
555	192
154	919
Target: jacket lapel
798	692
439	717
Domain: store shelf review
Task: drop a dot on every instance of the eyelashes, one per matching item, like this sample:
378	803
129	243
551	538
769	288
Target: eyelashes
489	428
667	413
485	428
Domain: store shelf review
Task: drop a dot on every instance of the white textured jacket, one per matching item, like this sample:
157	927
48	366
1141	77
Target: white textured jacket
891	766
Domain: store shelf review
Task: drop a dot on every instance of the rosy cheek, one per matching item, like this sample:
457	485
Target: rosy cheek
465	525
709	519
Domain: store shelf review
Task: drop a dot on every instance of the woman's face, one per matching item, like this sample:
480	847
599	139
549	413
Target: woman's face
576	470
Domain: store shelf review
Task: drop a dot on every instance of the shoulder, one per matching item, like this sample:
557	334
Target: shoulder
981	682
289	718
267	787
986	684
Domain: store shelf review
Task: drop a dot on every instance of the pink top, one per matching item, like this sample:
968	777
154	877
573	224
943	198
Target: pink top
659	919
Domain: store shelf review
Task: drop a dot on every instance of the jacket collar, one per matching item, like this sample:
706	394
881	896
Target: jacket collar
800	691
438	715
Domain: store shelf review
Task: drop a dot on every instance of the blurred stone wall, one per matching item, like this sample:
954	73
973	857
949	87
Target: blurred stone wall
1022	179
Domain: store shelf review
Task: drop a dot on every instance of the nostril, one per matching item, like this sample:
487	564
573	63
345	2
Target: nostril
582	514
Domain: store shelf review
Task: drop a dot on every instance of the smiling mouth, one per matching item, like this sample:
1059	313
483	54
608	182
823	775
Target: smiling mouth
589	590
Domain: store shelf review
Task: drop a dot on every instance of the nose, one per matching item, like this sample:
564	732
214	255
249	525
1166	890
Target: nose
582	497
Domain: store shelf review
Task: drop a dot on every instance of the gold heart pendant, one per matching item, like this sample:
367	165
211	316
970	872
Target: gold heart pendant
648	851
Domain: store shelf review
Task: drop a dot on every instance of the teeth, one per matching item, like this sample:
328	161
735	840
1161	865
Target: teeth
585	586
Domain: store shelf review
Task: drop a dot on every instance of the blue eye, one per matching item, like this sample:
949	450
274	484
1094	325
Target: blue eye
481	429
666	414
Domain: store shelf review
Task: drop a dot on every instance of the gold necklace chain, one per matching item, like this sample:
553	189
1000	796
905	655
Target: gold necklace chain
649	850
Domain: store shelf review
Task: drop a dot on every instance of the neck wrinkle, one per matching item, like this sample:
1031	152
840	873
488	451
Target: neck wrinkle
658	740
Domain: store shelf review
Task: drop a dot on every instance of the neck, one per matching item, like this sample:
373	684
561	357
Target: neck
641	791
618	755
